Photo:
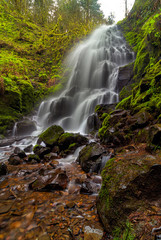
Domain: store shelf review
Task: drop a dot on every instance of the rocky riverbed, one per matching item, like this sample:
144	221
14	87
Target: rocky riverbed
56	192
47	195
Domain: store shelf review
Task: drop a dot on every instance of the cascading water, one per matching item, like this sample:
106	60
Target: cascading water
93	80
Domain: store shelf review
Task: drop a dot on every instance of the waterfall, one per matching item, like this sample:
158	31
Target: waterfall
93	80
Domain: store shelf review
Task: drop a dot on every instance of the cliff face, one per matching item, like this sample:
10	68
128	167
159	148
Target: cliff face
129	199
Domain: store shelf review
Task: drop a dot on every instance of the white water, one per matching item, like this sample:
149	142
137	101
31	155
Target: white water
93	80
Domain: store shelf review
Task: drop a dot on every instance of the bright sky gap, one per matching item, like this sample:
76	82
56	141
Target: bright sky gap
117	7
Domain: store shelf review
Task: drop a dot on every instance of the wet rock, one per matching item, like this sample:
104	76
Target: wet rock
51	135
3	169
41	151
86	188
33	158
55	180
7	142
104	108
41	182
114	139
59	183
70	141
142	118
89	155
22	154
74	188
117	115
93	231
93	123
25	127
50	156
28	148
15	160
17	150
125	76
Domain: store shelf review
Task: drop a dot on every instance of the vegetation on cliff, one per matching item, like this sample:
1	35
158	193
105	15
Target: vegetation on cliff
142	31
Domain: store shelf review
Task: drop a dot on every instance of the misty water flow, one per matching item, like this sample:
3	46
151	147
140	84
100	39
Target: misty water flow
93	80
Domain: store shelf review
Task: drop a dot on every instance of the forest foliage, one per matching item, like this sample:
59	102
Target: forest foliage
34	39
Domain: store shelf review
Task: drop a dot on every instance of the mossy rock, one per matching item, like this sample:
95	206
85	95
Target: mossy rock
127	184
51	136
104	109
71	139
41	151
89	156
125	103
33	158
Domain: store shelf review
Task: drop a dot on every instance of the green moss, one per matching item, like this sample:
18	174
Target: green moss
104	115
142	31
37	146
72	146
51	135
125	103
32	157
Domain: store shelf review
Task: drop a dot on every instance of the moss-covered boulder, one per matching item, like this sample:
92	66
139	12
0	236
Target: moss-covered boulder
51	136
71	140
41	151
90	157
131	182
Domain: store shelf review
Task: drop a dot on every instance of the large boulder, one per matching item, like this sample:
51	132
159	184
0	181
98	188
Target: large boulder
51	135
89	157
131	185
